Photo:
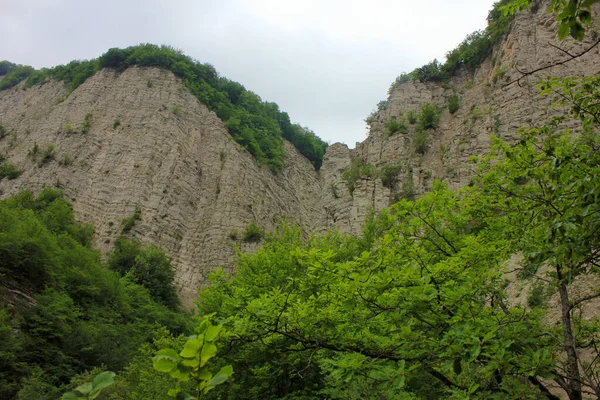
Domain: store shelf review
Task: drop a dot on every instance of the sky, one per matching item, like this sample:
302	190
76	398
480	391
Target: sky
325	62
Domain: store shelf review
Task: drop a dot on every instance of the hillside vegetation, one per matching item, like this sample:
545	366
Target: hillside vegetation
257	125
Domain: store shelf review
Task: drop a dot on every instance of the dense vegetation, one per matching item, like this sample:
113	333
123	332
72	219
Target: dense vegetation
416	306
69	313
255	124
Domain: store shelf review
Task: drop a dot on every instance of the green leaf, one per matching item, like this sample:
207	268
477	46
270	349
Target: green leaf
191	362
209	350
577	30
221	376
103	380
212	332
563	30
204	374
166	360
85	388
203	326
69	396
585	17
588	3
191	348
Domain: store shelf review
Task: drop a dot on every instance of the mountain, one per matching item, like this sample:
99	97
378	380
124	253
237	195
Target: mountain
137	141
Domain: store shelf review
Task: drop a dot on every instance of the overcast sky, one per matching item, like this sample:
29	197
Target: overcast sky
326	62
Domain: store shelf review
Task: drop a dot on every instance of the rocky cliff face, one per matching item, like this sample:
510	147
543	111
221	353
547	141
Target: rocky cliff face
152	145
488	106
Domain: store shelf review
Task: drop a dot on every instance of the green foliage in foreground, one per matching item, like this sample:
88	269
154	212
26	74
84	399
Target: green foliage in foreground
257	125
75	314
92	389
189	365
415	308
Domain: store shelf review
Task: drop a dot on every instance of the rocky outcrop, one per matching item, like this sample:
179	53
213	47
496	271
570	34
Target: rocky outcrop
152	145
139	139
488	105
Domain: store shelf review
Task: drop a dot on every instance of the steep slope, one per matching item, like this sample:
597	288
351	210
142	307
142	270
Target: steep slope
152	146
487	107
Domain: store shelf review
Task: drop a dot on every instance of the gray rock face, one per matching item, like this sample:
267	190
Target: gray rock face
157	148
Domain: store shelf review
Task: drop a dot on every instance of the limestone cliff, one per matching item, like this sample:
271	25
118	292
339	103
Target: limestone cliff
488	106
152	146
148	143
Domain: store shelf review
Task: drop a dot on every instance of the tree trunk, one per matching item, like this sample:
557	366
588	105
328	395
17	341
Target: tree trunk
573	378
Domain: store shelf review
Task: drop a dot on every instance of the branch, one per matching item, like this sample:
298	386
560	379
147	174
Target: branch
583	300
543	388
571	58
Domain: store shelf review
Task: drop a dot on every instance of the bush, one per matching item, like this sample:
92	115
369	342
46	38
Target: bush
253	233
68	128
87	123
420	141
116	123
48	154
429	118
129	222
8	170
67	160
394	126
412	116
453	104
389	174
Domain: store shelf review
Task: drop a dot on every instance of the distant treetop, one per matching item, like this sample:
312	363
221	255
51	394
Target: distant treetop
257	125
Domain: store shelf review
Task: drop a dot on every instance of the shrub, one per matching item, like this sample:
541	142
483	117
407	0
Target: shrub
334	191
453	104
352	174
389	174
408	190
175	110
411	116
537	297
67	160
87	123
232	235
67	128
429	118
420	141
149	84
395	125
253	233
3	131
48	154
8	170
130	221
116	123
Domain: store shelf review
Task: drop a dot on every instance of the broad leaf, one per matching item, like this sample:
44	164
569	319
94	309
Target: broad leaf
191	347
221	376
209	350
